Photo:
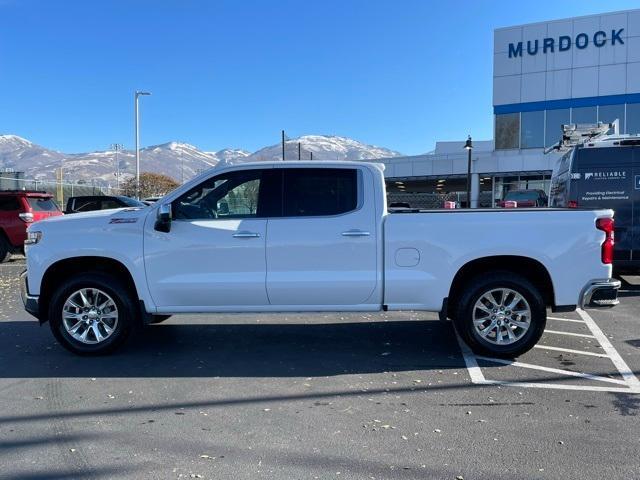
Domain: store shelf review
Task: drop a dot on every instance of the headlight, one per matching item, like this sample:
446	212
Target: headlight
33	238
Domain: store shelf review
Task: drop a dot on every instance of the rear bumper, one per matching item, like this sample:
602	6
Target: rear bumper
30	301
600	293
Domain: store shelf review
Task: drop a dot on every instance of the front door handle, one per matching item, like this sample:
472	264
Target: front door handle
355	233
246	235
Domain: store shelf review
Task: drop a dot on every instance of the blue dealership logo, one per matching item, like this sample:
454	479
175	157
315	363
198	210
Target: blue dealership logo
637	182
564	43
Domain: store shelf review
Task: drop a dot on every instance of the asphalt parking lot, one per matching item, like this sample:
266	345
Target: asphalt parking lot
353	396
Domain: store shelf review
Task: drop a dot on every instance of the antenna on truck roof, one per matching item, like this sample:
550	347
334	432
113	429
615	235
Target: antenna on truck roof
578	133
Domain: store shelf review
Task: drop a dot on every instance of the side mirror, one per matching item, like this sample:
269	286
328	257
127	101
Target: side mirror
163	222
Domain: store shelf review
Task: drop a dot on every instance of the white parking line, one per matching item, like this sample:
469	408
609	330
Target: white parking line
570	350
569	373
569	333
629	382
565	319
615	357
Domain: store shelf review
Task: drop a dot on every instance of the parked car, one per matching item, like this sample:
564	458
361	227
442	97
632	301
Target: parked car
100	202
150	200
525	198
18	209
314	236
605	173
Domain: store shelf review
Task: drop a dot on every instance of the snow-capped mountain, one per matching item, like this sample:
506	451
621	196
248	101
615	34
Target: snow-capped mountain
19	154
176	159
324	147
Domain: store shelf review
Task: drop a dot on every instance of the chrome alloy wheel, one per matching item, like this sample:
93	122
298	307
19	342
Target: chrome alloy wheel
501	316
90	316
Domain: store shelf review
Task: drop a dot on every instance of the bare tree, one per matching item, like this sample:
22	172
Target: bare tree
151	185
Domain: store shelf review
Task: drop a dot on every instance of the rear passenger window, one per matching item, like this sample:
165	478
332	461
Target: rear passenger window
9	204
86	205
319	191
110	204
38	204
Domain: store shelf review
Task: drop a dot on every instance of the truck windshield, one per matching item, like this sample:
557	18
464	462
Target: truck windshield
42	204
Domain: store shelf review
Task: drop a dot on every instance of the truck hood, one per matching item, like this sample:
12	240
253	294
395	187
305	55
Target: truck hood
127	212
129	215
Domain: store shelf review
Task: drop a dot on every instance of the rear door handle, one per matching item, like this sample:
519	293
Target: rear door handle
246	235
355	233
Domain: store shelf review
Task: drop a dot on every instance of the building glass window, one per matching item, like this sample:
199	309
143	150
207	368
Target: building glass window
608	113
633	118
555	119
584	115
507	131
532	129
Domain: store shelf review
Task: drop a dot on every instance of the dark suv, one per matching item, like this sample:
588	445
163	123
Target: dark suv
18	209
100	202
525	198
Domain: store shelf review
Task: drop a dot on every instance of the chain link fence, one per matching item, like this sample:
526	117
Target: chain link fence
60	190
432	201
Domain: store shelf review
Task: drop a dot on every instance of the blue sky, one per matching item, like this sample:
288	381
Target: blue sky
399	74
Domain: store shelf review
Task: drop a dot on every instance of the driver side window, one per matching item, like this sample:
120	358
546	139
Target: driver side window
230	195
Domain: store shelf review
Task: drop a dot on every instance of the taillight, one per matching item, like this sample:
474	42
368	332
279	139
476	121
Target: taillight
572	204
607	226
26	217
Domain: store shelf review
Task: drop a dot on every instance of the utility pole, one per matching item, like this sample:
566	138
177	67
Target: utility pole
299	158
283	145
137	94
117	147
310	155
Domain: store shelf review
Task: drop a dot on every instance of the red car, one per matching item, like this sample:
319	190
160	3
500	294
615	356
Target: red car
19	208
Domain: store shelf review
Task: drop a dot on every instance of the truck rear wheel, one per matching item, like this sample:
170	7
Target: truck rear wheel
500	314
91	313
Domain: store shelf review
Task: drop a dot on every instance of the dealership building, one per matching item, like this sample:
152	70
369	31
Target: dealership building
576	70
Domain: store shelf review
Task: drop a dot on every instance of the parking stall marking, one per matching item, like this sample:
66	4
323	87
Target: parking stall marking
628	384
571	334
615	357
570	350
570	373
565	319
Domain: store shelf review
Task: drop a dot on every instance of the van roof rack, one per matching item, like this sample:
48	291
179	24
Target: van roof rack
574	134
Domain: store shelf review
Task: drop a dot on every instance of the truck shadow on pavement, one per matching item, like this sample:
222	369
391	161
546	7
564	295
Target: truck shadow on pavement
239	350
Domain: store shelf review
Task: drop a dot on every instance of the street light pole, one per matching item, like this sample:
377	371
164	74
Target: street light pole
137	94
116	147
283	145
468	146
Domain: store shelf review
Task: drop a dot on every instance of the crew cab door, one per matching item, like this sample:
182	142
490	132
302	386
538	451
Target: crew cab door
214	254
322	250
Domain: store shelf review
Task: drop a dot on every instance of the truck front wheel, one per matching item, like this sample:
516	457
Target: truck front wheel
500	314
91	313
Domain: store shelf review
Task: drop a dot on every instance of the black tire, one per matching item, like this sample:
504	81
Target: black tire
475	289
5	249
112	286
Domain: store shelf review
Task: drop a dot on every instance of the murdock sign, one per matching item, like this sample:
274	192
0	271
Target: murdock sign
565	42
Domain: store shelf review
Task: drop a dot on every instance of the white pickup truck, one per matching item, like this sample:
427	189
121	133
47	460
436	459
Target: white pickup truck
313	236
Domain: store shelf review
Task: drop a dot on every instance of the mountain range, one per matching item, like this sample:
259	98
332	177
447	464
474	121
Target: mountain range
179	160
